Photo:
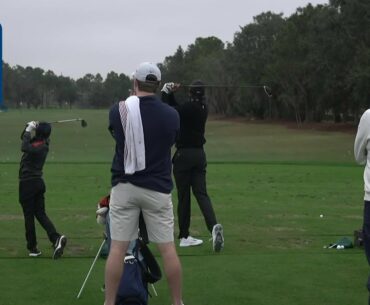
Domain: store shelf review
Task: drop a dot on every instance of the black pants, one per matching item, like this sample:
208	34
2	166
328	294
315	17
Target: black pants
366	231
189	168
31	197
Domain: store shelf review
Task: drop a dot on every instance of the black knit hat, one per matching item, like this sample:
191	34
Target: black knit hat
43	130
197	89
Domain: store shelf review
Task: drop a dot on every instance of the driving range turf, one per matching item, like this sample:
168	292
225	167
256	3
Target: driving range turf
269	185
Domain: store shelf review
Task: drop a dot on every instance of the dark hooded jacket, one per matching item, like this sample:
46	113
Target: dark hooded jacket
193	117
35	151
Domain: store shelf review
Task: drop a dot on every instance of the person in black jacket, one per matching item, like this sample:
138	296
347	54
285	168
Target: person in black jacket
189	163
32	188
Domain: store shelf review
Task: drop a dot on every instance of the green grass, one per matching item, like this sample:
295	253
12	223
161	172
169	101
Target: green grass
268	184
227	141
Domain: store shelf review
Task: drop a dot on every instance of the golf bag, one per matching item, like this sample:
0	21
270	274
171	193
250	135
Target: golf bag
358	238
140	269
141	266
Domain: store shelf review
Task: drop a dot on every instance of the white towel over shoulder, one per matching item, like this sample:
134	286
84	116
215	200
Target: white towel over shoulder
134	153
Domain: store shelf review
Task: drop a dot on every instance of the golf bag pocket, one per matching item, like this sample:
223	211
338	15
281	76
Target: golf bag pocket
132	289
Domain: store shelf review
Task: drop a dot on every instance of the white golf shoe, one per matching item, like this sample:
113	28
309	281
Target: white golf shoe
217	237
34	253
190	241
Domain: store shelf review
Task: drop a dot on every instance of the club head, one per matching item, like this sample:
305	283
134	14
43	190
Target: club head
267	90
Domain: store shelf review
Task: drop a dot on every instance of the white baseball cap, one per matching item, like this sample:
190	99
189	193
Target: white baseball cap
147	71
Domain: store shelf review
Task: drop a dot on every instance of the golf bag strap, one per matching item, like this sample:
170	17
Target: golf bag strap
152	272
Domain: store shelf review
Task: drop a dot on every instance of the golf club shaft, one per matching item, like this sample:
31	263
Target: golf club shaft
154	290
265	88
226	86
92	266
66	121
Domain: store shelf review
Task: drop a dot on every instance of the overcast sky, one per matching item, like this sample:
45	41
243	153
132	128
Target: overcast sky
75	37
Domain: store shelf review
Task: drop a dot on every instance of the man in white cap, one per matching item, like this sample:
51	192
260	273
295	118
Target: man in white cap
144	129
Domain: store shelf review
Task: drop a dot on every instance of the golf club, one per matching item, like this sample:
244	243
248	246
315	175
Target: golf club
92	266
268	91
83	122
265	88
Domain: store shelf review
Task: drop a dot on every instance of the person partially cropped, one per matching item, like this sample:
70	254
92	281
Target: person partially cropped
362	156
32	188
144	129
190	163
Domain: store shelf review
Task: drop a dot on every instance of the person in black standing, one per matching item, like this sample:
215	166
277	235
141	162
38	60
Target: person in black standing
189	163
32	188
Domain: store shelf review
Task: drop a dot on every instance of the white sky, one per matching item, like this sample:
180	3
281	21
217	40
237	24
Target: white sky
75	37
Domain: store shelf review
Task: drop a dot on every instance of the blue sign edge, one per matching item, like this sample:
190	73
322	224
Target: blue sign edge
1	67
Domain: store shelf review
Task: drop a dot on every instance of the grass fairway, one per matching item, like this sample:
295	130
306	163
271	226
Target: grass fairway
269	184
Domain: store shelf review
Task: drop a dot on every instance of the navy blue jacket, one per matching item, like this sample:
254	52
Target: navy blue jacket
161	125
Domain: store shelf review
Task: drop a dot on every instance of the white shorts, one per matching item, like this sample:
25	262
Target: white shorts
126	201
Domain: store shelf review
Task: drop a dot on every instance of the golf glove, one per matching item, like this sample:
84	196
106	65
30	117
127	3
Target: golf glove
31	126
168	87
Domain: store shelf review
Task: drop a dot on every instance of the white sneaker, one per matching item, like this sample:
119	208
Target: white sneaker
217	238
190	241
34	253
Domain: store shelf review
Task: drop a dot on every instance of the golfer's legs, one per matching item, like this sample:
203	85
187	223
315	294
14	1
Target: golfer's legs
182	164
199	187
42	218
114	269
182	179
172	269
29	223
26	199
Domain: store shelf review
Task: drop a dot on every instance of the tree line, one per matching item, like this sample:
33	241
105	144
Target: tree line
316	63
34	87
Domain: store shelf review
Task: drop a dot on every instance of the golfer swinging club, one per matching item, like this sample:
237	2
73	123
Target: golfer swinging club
32	188
189	164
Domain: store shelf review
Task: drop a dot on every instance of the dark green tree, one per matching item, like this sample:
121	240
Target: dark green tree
66	91
249	56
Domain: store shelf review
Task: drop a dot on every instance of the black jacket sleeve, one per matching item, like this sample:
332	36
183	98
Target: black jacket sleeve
169	98
27	144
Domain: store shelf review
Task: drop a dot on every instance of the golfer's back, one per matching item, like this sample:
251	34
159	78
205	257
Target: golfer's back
160	126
